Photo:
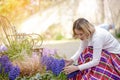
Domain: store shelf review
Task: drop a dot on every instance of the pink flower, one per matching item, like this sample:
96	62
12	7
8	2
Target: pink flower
3	48
47	52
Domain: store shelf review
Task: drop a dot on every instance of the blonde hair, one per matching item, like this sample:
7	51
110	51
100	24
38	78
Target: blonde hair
84	25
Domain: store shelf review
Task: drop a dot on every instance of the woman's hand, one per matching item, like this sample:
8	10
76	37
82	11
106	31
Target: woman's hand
70	69
68	62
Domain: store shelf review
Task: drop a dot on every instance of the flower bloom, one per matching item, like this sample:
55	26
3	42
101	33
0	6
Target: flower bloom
15	71
47	52
6	67
3	48
53	64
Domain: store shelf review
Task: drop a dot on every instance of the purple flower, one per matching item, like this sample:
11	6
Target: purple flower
47	52
6	67
3	48
5	64
47	61
53	64
14	73
4	59
58	66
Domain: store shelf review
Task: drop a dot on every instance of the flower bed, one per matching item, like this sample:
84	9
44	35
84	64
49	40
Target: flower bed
20	62
47	66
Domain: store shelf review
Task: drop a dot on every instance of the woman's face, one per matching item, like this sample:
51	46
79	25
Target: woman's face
80	34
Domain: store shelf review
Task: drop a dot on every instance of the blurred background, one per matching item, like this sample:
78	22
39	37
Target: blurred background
53	19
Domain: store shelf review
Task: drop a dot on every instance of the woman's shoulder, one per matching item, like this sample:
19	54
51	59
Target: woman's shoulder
100	33
100	29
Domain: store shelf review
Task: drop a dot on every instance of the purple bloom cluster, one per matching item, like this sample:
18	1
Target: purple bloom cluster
6	67
53	64
14	72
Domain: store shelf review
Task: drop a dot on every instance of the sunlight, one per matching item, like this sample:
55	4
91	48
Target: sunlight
87	8
38	23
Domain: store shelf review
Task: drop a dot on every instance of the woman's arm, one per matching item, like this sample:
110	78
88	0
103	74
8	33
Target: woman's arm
97	49
95	61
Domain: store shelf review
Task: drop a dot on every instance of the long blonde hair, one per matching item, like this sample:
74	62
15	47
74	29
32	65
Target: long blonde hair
84	25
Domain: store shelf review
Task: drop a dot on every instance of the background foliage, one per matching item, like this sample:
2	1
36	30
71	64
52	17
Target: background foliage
18	10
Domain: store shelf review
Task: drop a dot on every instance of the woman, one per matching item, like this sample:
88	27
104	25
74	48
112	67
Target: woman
98	56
